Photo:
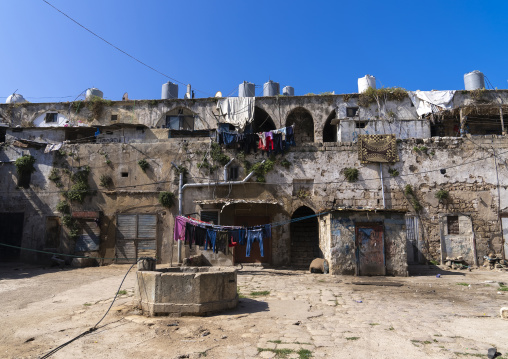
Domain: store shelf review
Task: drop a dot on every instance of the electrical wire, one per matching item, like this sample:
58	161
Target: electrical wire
119	49
94	328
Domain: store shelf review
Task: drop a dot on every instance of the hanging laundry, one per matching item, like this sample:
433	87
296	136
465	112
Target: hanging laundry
190	231
254	235
211	236
200	236
221	243
237	111
179	231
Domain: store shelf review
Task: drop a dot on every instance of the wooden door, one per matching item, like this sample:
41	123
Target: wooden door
255	254
370	249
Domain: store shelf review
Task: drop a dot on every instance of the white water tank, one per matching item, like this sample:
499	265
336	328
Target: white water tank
169	91
247	89
365	82
474	80
15	98
288	91
91	92
271	88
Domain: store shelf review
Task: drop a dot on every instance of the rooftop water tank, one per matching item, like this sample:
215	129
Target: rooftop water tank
474	80
365	82
188	94
15	98
288	91
271	88
169	91
247	89
93	92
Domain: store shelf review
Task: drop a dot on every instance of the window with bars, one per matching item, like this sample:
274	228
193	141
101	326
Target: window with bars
51	117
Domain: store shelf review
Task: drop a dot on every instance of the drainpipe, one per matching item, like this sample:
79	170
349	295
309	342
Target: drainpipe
180	187
382	184
226	169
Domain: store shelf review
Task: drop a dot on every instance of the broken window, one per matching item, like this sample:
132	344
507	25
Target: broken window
51	117
125	174
351	111
453	224
114	117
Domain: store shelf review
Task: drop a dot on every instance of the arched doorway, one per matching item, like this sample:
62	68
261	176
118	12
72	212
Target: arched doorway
304	124
329	130
304	238
262	122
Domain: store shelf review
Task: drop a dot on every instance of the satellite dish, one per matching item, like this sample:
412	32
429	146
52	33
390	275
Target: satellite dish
218	94
125	97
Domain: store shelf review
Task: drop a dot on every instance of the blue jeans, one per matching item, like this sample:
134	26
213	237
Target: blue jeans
252	236
211	235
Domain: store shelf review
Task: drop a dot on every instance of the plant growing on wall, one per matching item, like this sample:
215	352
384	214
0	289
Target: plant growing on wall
442	195
302	193
54	176
217	155
106	181
63	207
67	220
96	105
143	164
25	164
261	169
167	199
393	172
351	174
181	169
80	189
408	191
478	94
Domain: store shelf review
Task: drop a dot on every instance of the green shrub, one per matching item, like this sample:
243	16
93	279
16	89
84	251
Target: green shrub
143	164
63	207
442	195
351	174
106	181
218	156
393	172
167	199
408	190
25	164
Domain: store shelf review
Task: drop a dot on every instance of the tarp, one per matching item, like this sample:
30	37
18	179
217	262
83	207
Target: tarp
377	148
237	111
431	101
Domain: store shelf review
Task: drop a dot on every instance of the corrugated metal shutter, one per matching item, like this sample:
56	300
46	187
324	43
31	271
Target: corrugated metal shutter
125	251
126	226
136	237
147	226
89	240
147	248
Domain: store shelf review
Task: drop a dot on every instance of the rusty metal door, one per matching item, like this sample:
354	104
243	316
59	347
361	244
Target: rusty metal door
370	249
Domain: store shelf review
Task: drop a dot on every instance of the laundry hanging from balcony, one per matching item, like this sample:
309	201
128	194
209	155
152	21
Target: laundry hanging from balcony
237	111
275	141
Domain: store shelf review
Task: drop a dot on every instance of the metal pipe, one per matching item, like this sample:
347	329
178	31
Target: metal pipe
382	184
180	190
226	169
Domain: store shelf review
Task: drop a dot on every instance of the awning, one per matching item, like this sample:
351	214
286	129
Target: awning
229	201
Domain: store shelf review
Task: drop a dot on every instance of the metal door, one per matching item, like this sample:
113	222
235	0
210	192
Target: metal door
370	249
412	239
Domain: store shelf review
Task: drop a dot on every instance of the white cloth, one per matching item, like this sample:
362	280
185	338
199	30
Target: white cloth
52	147
237	111
431	101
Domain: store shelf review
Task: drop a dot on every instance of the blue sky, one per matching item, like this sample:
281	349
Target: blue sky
314	46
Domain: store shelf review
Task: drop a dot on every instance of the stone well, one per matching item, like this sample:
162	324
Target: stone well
186	290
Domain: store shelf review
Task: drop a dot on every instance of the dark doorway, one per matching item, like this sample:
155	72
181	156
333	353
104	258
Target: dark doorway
255	253
370	246
262	122
302	119
11	233
304	238
329	130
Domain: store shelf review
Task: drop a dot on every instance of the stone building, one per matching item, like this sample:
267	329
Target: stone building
101	166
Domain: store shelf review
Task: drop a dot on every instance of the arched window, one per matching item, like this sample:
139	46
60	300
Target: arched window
329	130
304	124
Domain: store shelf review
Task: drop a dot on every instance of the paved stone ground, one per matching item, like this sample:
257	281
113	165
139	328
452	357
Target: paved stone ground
282	314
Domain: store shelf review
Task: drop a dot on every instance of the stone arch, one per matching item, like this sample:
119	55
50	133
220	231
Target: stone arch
178	118
329	130
304	124
304	238
262	122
